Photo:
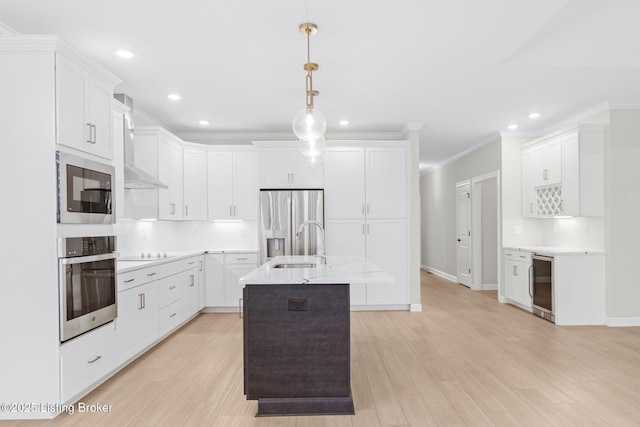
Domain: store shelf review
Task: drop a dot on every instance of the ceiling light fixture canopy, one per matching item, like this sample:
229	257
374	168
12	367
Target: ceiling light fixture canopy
309	124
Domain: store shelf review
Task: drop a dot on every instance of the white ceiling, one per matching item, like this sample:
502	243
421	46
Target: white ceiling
464	69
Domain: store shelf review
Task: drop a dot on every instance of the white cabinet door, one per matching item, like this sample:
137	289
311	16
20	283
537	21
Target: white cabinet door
83	109
303	176
190	292
274	168
245	185
99	115
347	237
220	185
386	185
214	280
516	282
233	289
528	190
571	175
195	184
137	321
344	183
170	172
387	247
548	163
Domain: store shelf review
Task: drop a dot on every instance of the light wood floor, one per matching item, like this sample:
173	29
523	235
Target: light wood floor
465	360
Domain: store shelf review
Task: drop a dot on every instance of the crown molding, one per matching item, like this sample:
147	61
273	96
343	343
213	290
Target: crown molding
5	29
282	136
411	126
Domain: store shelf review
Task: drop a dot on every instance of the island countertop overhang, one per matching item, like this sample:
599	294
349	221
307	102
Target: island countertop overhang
338	269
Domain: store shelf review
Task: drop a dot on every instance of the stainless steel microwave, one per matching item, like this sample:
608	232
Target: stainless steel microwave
85	190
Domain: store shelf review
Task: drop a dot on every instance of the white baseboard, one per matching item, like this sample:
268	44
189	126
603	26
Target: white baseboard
502	299
622	321
416	307
440	273
489	287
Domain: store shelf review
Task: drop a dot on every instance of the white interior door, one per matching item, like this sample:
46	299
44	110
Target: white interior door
463	196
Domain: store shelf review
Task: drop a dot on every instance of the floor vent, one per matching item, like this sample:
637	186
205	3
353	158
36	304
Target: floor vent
546	316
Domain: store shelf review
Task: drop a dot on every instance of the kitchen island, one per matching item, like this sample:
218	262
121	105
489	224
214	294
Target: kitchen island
297	333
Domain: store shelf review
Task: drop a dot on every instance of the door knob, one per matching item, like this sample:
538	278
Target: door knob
458	240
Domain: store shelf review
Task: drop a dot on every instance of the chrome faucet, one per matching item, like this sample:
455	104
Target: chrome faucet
323	256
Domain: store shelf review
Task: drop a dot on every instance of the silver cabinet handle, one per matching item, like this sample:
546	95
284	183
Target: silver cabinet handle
242	258
191	262
234	210
172	287
144	300
363	209
522	256
200	269
515	270
230	210
95	360
363	227
172	315
531	207
141	305
545	174
561	205
129	280
92	133
368	230
240	300
173	208
186	210
193	281
151	274
508	254
530	281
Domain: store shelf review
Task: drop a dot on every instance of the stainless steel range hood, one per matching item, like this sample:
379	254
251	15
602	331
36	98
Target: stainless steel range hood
134	177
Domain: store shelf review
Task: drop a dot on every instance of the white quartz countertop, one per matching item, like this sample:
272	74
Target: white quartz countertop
125	266
338	269
557	250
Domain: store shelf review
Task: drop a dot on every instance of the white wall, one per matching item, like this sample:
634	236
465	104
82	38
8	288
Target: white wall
438	204
489	231
622	204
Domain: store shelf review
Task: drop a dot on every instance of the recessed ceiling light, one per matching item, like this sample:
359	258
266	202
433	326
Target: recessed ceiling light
344	122
512	127
534	115
174	96
204	122
123	53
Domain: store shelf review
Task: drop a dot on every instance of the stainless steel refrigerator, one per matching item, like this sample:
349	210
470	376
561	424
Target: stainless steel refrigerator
281	214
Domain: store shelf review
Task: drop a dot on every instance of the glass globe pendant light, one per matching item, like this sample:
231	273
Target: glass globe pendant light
309	124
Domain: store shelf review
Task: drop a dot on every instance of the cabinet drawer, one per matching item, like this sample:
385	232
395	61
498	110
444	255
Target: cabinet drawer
86	359
169	290
170	268
515	255
134	278
189	263
246	258
170	317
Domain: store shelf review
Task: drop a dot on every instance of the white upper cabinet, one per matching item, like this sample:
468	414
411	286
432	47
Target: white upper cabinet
195	184
170	172
284	167
386	183
233	184
563	175
366	182
344	183
83	105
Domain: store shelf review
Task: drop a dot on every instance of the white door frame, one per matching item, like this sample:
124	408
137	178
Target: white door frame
468	280
476	227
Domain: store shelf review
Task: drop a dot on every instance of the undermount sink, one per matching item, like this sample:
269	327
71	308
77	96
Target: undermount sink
294	265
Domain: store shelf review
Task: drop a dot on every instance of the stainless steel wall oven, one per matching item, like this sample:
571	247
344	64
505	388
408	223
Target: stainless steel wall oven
85	190
87	283
542	284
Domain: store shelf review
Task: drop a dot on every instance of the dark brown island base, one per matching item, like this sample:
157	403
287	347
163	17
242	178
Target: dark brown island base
297	349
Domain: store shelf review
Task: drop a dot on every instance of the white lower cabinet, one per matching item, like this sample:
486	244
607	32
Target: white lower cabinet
517	269
190	292
86	359
137	322
222	274
170	317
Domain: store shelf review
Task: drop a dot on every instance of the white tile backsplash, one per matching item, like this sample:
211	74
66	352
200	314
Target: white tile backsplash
583	232
135	236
